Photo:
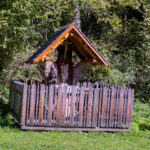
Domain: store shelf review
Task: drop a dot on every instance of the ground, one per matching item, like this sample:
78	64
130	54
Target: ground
12	138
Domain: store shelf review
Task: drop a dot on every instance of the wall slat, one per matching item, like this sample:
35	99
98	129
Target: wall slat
112	107
95	107
72	119
120	111
104	107
41	103
59	103
64	109
81	103
50	104
32	104
89	116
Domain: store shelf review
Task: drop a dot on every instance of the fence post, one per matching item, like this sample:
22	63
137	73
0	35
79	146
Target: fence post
129	108
120	110
95	106
32	104
112	106
24	104
104	107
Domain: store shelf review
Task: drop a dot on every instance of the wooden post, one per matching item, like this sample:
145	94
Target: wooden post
104	107
32	104
59	103
41	103
81	103
73	106
89	113
24	104
112	106
95	107
120	111
63	104
50	104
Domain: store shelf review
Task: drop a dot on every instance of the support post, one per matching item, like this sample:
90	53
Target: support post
24	104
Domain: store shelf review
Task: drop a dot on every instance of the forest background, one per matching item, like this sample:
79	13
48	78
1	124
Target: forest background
120	30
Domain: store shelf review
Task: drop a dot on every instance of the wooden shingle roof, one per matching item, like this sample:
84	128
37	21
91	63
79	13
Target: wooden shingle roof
77	37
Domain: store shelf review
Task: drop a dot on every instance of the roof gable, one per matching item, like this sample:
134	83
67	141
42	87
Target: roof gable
77	37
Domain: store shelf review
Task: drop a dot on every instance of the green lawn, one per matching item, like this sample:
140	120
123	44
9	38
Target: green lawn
11	138
14	139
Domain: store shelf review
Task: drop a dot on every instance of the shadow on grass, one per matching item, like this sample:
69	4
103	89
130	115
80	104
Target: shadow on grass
6	119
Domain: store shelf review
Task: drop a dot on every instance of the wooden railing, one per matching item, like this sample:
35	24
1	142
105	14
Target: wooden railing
99	107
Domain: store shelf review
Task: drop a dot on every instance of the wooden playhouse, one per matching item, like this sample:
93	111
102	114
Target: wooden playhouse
61	102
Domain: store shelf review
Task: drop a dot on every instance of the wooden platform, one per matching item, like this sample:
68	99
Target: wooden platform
84	107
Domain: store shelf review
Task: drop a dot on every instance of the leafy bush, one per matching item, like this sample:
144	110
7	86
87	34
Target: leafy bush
108	75
5	116
141	116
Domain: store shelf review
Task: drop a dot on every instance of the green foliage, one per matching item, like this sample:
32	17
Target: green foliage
141	116
24	26
119	29
108	75
5	116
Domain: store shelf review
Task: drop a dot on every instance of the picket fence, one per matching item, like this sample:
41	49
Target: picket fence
84	107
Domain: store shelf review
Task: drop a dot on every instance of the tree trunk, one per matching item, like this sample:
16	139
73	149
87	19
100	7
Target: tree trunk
77	17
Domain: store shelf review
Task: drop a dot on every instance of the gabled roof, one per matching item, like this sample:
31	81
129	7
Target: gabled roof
77	37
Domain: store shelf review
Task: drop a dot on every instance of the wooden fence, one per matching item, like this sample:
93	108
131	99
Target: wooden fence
85	107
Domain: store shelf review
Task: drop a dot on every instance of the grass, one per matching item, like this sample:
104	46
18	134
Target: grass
14	139
11	138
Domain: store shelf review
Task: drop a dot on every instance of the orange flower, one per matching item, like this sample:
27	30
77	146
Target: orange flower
25	142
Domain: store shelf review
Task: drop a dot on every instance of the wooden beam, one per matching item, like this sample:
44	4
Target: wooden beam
54	44
90	45
80	47
75	49
72	129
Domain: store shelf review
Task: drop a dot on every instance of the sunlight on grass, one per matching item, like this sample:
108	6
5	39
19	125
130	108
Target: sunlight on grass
11	138
14	139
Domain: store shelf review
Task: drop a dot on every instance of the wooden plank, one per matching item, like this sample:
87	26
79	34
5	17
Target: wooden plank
64	100
129	108
116	107
45	105
73	129
41	103
81	103
32	104
50	104
104	107
77	105
108	107
89	113
100	106
37	103
68	106
89	84
24	104
132	108
28	104
125	107
95	107
58	116
112	107
79	47
72	121
54	113
120	110
85	105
